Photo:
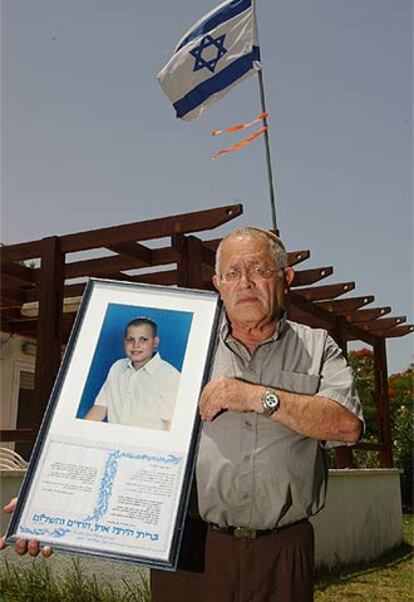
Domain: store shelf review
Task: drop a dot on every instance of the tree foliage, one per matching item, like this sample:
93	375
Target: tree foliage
401	400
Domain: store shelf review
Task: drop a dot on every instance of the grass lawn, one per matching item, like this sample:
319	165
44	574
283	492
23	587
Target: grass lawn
390	578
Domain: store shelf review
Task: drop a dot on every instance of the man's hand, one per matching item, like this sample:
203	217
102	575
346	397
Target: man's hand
229	394
23	545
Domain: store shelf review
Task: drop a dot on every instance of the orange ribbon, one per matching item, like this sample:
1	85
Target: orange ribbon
242	143
240	126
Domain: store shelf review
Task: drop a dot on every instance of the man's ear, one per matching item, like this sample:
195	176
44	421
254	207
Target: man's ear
216	282
156	341
289	274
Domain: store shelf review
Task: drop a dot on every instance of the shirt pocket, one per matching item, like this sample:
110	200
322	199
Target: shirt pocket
296	382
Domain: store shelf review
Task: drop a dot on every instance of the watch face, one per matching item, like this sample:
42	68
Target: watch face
271	400
270	403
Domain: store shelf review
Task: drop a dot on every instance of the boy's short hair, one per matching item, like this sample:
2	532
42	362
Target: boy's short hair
140	322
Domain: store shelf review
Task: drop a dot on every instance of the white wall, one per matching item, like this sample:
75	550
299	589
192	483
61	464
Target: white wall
362	517
12	361
361	520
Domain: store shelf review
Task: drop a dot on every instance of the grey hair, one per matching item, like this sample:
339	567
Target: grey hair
276	247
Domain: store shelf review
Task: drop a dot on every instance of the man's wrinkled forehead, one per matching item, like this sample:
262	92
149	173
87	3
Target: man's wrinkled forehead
247	243
250	238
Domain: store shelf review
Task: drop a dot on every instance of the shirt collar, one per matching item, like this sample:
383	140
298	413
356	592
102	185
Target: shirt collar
280	328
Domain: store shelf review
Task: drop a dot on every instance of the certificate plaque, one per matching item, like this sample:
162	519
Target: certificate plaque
112	466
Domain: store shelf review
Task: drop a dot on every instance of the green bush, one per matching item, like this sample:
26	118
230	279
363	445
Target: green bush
403	436
401	401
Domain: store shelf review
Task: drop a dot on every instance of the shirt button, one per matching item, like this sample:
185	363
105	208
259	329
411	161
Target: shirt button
248	423
246	458
245	496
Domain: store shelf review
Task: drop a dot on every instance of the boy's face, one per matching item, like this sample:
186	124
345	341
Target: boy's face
139	344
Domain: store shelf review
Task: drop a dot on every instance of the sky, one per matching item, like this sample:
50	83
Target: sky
88	138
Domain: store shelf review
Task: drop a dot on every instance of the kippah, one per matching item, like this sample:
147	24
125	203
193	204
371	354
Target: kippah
270	235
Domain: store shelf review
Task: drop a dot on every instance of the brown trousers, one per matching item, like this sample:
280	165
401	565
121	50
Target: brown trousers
277	567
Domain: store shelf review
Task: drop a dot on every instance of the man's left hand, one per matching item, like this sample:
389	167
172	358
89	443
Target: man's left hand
229	394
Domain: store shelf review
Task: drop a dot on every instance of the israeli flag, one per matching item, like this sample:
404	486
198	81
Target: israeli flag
213	56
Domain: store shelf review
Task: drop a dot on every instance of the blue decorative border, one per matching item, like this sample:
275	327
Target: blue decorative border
111	468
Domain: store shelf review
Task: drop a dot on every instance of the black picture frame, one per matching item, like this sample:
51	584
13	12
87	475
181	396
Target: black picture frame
108	488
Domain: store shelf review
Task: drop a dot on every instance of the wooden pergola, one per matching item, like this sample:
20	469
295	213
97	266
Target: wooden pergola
41	274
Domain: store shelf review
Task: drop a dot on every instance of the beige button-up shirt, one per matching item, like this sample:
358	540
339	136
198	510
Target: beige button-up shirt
144	397
252	471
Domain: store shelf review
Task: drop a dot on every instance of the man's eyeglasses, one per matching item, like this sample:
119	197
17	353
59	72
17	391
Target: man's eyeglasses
254	273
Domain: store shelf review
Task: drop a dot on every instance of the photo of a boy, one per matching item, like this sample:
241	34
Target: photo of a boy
140	389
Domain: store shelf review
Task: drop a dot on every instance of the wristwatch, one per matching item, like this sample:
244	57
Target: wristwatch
271	402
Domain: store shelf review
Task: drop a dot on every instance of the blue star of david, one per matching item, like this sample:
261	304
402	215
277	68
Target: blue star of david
206	42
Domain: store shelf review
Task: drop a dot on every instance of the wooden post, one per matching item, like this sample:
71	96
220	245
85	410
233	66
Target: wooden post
343	455
190	265
49	326
382	400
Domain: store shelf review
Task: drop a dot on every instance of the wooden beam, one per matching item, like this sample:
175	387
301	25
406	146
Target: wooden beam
384	324
7	282
343	306
20	251
12	297
49	324
398	331
304	277
318	309
208	256
19	272
70	290
164	256
167	277
315	293
190	266
343	455
17	435
364	315
119	276
342	459
295	257
133	249
382	400
366	446
8	315
24	329
155	228
103	265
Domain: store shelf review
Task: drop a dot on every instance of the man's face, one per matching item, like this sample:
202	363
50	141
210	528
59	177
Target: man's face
139	344
251	300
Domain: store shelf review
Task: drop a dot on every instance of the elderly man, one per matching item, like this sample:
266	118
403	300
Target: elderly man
279	392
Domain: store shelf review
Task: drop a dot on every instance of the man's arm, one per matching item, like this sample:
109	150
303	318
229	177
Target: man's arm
313	416
97	413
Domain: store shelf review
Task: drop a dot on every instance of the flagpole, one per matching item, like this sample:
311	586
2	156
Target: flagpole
266	135
268	156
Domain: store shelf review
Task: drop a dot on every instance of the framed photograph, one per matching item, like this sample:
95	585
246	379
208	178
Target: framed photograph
111	470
